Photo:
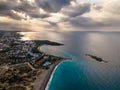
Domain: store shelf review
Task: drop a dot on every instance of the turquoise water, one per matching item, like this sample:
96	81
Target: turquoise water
67	77
84	73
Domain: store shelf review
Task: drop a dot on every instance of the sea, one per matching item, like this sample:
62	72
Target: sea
83	72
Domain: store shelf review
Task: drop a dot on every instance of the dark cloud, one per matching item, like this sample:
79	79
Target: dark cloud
16	16
52	5
23	6
108	15
38	15
53	24
30	9
8	5
77	9
9	13
33	12
74	14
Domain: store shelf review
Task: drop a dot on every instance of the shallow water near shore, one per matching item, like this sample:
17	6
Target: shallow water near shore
84	73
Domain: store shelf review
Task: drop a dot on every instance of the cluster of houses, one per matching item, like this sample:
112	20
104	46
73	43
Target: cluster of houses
14	50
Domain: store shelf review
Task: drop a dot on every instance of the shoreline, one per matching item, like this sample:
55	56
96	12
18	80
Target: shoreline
50	79
43	79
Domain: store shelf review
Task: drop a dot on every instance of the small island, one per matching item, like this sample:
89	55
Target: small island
22	65
96	58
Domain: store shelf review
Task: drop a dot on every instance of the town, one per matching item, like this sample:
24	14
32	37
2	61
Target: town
21	61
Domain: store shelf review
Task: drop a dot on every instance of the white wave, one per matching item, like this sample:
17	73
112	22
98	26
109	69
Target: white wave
47	87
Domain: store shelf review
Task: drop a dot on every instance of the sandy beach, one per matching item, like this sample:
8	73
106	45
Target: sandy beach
43	79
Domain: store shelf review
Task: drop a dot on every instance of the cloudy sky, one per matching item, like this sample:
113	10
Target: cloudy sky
63	15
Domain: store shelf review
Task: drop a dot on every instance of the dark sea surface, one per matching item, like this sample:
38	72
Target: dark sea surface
84	73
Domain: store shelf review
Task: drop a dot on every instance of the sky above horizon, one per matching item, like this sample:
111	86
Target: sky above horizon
60	15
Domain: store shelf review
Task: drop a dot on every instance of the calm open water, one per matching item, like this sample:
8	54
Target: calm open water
84	73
